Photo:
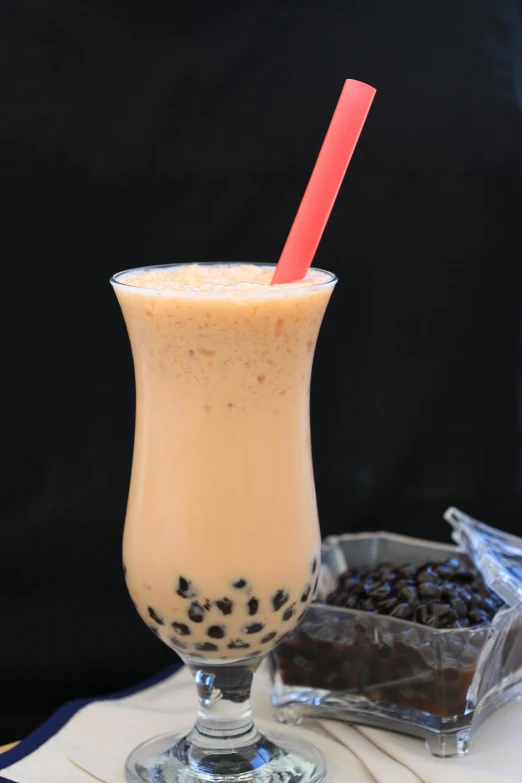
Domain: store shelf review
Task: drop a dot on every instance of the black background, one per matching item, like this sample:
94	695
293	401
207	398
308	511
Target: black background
140	133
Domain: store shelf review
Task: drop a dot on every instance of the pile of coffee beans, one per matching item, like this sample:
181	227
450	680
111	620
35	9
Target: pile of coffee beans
438	595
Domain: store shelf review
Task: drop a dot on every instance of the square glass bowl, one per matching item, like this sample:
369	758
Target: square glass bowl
395	674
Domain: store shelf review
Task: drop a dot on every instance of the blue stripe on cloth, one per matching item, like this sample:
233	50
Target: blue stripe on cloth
64	714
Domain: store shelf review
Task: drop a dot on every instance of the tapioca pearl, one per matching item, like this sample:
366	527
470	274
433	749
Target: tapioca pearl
185	589
216	631
238	644
253	628
289	613
155	616
225	605
207	647
269	637
239	584
279	599
252	606
181	629
306	593
196	612
154	630
177	643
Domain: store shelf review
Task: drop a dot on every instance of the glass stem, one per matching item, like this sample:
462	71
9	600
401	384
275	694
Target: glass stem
224	739
224	711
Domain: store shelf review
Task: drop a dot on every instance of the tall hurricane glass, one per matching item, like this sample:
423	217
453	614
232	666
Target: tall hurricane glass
221	546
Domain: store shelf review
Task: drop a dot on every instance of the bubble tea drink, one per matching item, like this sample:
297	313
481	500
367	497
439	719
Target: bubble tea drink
222	544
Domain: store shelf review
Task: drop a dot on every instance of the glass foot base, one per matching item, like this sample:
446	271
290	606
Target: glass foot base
288	759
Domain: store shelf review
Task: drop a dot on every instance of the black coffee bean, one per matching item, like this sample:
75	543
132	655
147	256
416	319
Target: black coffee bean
465	594
181	628
196	612
269	637
216	631
155	616
459	606
306	593
400	584
439	610
448	592
348	584
385	607
239	584
451	617
402	612
238	644
382	591
154	630
408	595
490	605
279	599
478	616
206	647
428	576
253	606
177	643
444	571
253	628
429	590
421	614
288	613
406	571
464	575
185	589
225	605
462	622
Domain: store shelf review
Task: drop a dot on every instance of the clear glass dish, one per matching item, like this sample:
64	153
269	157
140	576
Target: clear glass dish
396	674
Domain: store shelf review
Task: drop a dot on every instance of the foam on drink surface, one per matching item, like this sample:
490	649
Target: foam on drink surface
222	279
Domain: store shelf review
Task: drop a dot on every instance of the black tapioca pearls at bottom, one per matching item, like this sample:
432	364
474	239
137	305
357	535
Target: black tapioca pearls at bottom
181	628
239	584
216	631
153	614
225	605
196	612
238	644
206	647
253	628
306	593
177	643
252	606
289	613
268	637
185	589
279	599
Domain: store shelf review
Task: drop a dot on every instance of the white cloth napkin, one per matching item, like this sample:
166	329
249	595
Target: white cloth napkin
94	743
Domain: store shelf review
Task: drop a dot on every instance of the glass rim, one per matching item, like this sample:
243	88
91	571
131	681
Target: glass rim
118	283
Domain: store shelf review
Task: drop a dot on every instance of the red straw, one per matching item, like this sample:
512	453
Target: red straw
327	176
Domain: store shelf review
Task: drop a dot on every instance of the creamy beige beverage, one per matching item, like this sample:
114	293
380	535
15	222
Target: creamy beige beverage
221	544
